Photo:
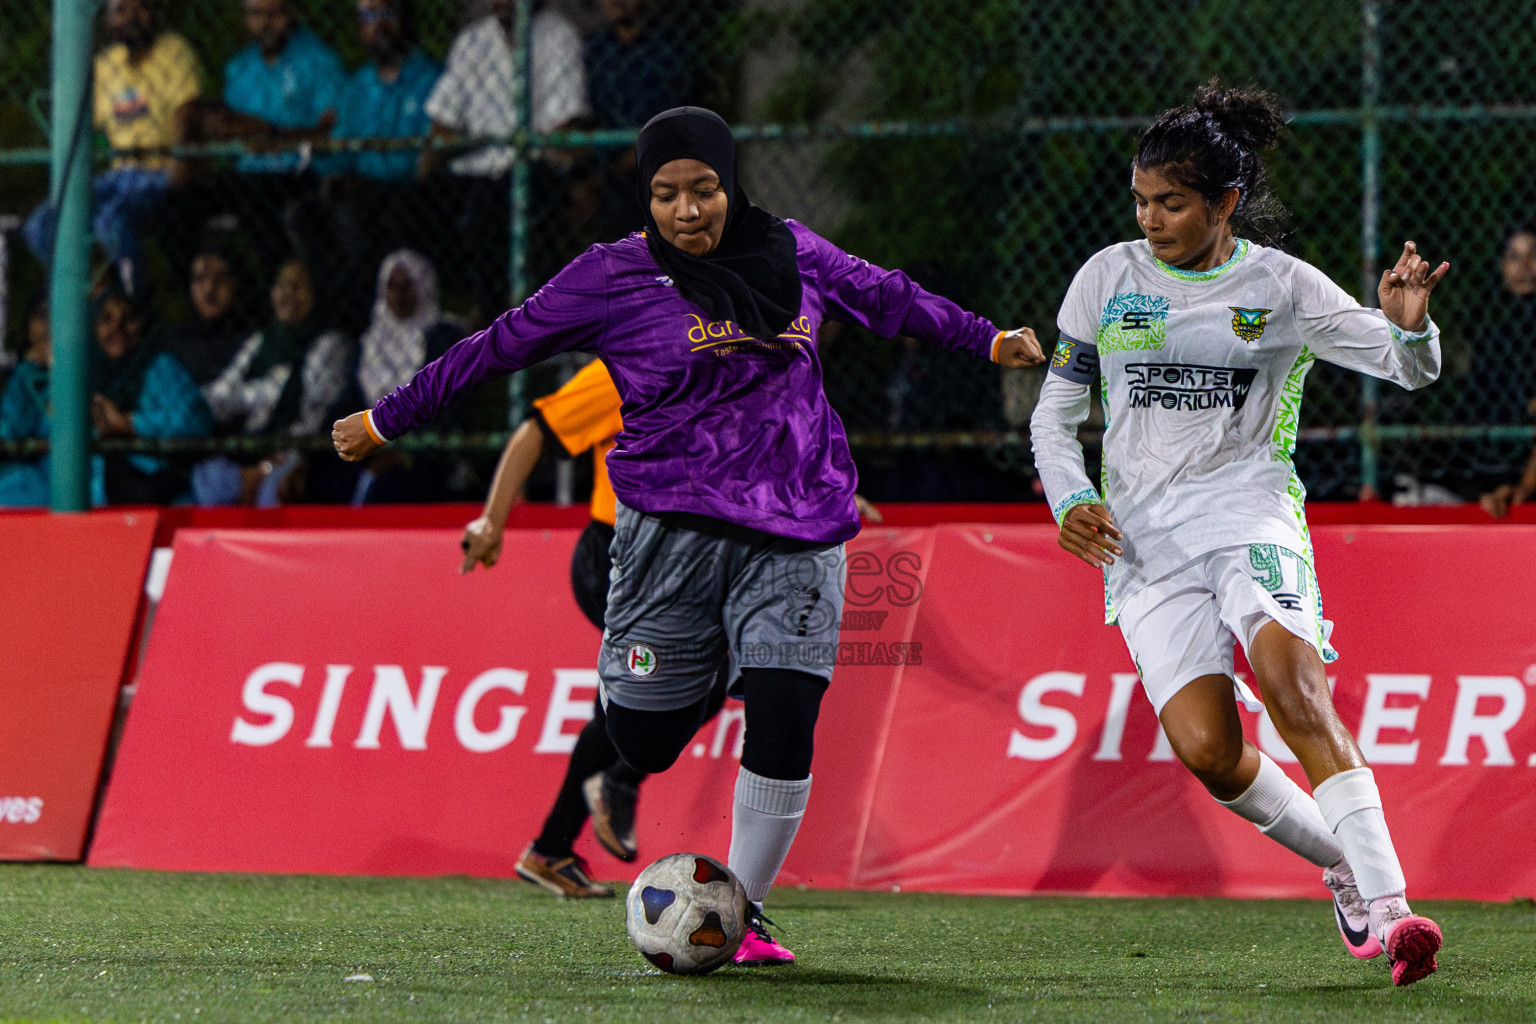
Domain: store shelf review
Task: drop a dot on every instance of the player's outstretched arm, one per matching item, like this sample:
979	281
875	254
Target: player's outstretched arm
1088	532
483	536
1405	287
1017	348
352	439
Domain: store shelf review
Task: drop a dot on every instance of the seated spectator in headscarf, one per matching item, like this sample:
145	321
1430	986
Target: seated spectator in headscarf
407	330
24	412
137	390
220	322
1502	383
1500	387
144	85
286	375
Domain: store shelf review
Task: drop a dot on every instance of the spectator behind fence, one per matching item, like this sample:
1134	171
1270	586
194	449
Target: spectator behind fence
287	374
1502	384
138	389
145	83
377	203
1500	387
280	92
386	98
220	321
408	330
25	414
475	97
285	380
639	62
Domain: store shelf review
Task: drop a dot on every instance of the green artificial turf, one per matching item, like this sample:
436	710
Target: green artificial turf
94	945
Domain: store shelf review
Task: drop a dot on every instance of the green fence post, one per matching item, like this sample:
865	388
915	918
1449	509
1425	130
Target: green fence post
1370	226
517	261
70	192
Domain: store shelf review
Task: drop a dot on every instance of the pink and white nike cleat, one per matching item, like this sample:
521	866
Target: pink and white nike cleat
1352	912
1411	941
759	949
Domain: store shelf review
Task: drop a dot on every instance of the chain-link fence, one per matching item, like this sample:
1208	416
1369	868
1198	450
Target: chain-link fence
983	146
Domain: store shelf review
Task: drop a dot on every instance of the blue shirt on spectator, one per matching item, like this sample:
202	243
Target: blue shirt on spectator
169	405
372	108
630	84
293	92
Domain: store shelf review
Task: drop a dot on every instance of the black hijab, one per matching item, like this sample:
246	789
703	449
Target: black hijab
752	277
121	380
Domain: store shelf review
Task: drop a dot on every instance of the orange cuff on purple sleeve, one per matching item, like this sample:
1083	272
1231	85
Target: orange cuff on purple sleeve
373	432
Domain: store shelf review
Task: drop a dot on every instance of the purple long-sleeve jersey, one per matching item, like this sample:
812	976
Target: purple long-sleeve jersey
715	422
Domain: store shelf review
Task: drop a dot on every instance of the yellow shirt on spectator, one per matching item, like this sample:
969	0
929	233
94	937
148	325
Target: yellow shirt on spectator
135	105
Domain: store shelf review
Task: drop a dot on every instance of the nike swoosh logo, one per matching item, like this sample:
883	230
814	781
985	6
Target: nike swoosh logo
1356	937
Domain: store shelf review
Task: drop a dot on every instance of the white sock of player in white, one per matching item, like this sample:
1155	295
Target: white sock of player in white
1287	815
1351	805
764	821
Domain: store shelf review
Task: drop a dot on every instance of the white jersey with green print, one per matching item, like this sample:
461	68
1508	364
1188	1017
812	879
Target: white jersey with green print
1200	373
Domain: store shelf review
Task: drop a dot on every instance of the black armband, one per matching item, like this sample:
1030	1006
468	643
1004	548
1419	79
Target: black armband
1075	361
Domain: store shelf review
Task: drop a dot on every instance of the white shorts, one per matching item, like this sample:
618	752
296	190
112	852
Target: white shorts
1183	626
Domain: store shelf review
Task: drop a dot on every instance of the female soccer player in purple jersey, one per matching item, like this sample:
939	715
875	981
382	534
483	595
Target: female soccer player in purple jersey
733	476
1201	341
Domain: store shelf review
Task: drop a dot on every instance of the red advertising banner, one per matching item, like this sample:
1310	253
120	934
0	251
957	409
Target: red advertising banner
69	598
1054	774
345	702
326	701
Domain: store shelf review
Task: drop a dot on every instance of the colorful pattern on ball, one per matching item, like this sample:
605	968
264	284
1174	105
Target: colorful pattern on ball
687	914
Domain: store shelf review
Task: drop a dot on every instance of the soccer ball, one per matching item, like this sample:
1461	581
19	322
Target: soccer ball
687	913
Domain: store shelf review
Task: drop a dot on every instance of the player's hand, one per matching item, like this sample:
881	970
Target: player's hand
481	543
1405	287
1088	532
351	439
1019	347
867	509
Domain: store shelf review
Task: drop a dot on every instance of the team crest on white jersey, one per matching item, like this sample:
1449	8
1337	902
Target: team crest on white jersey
1248	324
641	660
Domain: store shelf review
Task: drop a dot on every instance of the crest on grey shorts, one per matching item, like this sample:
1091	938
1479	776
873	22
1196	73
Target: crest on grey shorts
640	660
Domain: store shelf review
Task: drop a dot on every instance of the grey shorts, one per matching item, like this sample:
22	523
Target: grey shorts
688	594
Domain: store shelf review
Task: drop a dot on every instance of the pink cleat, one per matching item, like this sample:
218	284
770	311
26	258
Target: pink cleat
1352	912
1411	941
759	949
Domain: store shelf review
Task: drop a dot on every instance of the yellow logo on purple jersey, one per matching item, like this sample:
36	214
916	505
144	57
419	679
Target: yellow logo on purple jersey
703	335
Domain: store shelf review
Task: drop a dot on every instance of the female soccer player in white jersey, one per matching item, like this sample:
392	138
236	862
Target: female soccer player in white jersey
1200	341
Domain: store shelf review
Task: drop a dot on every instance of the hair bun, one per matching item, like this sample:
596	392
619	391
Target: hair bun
1250	116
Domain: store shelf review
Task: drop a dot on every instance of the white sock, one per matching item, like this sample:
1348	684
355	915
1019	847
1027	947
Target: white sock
764	821
1287	815
1351	805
